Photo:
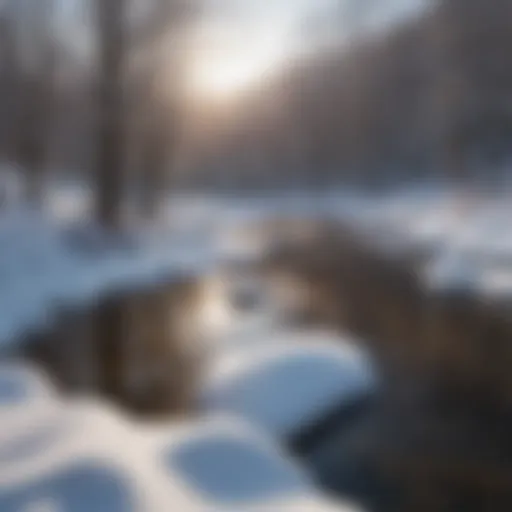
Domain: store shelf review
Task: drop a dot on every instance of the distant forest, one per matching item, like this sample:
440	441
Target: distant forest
429	98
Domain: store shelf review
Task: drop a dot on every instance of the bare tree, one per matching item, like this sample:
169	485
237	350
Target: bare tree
111	114
36	51
156	153
9	73
159	116
472	82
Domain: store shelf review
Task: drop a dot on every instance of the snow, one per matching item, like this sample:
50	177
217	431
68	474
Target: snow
43	268
221	321
425	222
227	465
61	455
226	462
469	244
94	458
90	463
496	284
28	407
44	265
226	483
77	488
278	378
56	455
10	185
287	381
478	257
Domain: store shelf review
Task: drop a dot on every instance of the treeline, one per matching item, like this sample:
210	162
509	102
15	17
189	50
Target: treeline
84	97
431	98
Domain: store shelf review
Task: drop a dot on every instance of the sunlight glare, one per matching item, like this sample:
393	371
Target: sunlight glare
227	68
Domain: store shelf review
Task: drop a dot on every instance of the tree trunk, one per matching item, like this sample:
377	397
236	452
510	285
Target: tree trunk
33	137
111	137
9	82
154	169
35	109
109	318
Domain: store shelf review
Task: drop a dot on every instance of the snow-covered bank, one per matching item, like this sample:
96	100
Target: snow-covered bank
287	381
280	380
87	456
44	263
45	266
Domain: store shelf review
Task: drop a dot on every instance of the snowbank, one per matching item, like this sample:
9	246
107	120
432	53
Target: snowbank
93	458
223	464
45	266
28	409
478	257
288	381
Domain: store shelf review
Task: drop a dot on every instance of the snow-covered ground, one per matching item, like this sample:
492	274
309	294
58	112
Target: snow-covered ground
49	261
283	379
287	381
45	266
56	455
78	456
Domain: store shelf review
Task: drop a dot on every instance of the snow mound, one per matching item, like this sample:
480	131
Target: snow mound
478	258
226	465
45	267
79	487
283	386
91	457
28	409
90	463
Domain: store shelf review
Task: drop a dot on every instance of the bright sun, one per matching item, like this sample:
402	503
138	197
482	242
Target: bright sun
224	69
228	75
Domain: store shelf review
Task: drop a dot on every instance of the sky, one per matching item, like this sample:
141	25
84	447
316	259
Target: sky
242	41
286	17
281	20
